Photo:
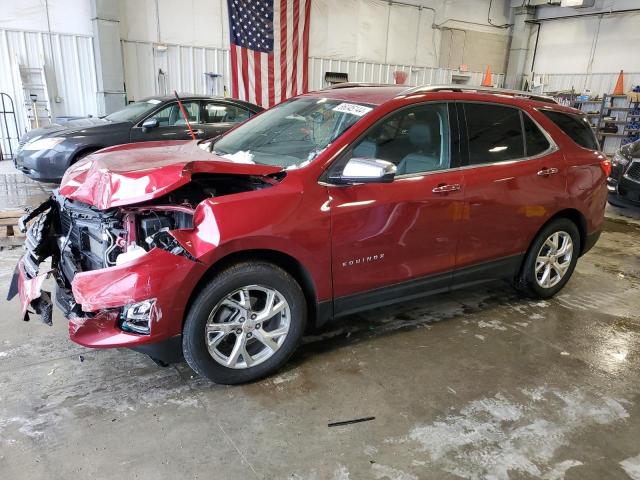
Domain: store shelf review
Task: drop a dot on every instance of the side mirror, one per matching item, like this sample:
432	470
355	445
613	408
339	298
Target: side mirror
150	123
366	170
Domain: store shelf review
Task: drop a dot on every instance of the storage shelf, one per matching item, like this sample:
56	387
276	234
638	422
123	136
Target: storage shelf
619	134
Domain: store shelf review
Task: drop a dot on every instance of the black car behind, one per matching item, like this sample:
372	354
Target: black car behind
45	154
624	182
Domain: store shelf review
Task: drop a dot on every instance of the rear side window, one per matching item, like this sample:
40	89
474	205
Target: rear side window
536	142
494	132
576	127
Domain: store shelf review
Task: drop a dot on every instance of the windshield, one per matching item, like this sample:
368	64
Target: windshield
133	111
291	134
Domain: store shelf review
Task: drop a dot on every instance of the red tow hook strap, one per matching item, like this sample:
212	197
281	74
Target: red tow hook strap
184	114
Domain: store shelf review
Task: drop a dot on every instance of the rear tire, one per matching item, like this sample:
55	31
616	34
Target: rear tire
551	259
232	335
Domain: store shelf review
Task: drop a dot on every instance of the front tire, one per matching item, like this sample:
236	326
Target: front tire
244	324
551	259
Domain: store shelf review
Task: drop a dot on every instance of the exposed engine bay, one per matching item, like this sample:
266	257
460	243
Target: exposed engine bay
80	238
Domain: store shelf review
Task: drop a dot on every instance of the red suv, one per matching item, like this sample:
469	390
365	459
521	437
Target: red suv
328	204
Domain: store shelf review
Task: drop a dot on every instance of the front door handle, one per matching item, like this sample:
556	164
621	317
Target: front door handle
545	172
445	188
198	132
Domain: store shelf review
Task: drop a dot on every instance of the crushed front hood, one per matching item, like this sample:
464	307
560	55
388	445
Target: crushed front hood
134	173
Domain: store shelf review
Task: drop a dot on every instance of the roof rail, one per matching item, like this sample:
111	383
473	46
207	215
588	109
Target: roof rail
359	84
470	88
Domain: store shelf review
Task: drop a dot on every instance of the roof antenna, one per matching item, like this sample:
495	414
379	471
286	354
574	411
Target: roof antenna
184	114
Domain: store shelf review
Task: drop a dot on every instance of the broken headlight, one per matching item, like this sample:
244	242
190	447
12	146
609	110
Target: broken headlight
138	317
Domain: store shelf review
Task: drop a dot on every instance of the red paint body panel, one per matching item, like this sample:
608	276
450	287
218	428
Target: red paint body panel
139	172
415	230
506	204
168	278
496	213
280	219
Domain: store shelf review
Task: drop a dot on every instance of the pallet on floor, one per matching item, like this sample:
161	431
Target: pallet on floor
10	234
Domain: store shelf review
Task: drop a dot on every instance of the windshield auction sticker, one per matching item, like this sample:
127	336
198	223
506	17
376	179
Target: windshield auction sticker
352	108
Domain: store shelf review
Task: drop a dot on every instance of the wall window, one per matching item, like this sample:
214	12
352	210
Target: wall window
578	128
494	132
415	139
536	142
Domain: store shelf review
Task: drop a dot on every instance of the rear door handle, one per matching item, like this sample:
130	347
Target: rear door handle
545	172
454	187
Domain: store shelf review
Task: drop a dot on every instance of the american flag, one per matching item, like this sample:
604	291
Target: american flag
269	49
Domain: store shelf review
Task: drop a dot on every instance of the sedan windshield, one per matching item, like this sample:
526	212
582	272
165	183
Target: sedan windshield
292	134
133	111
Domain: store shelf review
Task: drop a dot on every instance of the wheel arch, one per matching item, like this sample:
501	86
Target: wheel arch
571	214
83	152
288	263
576	217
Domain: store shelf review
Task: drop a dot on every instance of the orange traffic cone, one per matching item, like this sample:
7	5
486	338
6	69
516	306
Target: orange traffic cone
486	80
619	88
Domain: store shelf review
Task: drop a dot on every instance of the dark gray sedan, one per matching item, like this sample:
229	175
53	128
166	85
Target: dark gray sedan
45	154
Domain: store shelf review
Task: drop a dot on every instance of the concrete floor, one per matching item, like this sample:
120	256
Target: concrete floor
475	384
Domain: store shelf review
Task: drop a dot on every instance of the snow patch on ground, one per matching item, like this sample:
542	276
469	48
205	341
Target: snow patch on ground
632	467
341	473
384	472
491	437
285	377
495	324
370	450
559	470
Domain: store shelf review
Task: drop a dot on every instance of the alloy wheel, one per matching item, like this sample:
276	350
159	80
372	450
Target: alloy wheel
554	259
247	326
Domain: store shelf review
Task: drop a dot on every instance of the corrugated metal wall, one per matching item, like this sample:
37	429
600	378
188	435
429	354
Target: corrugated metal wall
183	69
597	83
69	65
383	73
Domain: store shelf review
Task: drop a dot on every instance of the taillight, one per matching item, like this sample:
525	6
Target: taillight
605	165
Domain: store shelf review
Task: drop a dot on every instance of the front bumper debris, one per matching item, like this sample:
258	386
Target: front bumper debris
27	279
96	302
31	294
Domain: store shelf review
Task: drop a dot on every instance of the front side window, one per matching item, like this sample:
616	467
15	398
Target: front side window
171	115
416	140
578	128
291	134
216	112
494	132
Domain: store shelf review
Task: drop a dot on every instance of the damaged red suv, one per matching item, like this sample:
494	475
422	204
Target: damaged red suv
330	203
